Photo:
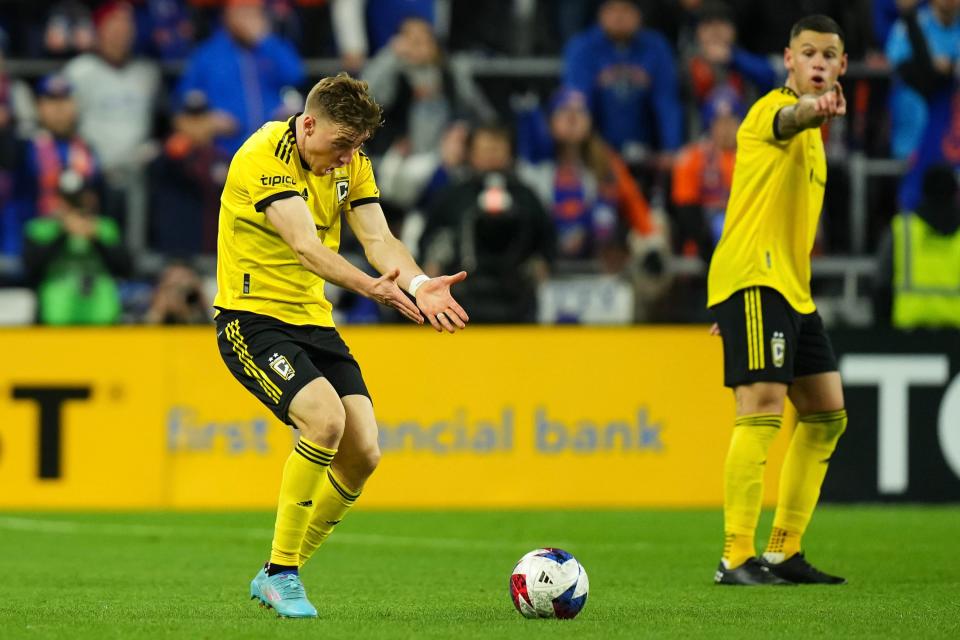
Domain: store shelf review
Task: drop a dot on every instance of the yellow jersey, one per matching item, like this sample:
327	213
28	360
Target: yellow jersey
256	270
774	207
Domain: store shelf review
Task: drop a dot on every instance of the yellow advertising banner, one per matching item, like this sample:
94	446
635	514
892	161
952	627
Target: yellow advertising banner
492	417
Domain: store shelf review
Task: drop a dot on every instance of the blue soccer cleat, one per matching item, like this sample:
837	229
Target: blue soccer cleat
284	593
255	584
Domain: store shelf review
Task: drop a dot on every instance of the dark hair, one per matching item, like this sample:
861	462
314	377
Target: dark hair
347	102
818	23
494	130
715	11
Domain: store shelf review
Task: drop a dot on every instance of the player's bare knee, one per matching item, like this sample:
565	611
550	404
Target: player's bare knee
369	459
320	422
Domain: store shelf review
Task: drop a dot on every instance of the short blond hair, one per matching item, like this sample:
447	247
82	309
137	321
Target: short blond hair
347	102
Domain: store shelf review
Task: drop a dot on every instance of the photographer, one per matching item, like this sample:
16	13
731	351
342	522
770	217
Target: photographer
178	298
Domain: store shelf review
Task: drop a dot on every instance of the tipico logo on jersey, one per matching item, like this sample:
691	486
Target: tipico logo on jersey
282	366
778	347
343	188
272	181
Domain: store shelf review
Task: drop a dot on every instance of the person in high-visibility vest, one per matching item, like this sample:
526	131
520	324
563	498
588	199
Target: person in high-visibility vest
920	259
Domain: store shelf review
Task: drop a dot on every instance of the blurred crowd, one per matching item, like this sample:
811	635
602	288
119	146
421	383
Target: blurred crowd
617	165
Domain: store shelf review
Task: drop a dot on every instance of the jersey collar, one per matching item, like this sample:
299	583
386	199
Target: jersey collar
785	89
292	125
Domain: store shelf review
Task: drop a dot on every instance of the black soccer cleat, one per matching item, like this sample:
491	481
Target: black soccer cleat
796	569
751	573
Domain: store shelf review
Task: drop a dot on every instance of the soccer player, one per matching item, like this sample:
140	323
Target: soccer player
774	343
287	189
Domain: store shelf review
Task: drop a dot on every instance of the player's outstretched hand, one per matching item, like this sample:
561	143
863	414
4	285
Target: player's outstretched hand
437	303
831	104
385	291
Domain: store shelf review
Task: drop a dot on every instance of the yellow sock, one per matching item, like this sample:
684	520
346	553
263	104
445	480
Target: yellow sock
333	501
305	468
804	468
743	484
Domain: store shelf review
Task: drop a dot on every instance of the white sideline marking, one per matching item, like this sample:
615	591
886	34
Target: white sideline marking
70	527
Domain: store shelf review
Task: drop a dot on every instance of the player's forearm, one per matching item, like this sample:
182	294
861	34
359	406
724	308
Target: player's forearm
332	267
794	119
388	254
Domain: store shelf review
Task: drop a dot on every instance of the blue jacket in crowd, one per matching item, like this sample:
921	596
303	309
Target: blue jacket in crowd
908	107
632	90
939	143
244	82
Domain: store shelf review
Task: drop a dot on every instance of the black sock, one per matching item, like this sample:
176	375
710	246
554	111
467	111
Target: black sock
274	569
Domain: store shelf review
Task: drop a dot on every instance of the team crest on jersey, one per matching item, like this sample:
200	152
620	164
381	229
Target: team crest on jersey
343	188
778	348
282	366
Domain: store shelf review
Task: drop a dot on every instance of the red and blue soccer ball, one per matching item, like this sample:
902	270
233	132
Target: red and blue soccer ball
549	583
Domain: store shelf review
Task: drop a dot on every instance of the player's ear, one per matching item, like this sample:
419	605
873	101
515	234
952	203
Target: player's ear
787	59
309	122
843	64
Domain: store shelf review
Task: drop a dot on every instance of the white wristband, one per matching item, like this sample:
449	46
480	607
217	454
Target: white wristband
416	282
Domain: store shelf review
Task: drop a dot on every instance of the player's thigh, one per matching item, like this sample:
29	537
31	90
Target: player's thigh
758	329
359	451
316	410
760	397
263	355
817	393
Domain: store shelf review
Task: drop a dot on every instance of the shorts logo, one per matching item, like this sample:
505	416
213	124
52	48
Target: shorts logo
282	366
778	347
343	187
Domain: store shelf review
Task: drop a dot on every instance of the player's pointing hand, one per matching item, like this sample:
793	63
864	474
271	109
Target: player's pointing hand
437	303
841	100
385	291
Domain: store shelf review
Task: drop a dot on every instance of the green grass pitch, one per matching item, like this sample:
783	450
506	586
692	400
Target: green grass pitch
445	575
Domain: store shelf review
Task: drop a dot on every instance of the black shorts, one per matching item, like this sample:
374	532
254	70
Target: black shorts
767	340
274	360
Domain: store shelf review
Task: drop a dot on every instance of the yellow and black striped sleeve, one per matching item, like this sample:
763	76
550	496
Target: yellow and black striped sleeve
761	121
267	173
363	186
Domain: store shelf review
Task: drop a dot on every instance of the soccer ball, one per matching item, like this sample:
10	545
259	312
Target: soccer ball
549	583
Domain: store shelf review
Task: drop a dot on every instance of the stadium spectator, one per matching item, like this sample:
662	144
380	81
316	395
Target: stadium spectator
715	61
412	181
242	69
178	298
629	77
18	110
703	174
54	148
17	119
494	226
885	14
362	27
69	29
924	48
73	258
116	96
185	183
932	81
419	92
167	28
918	272
586	186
